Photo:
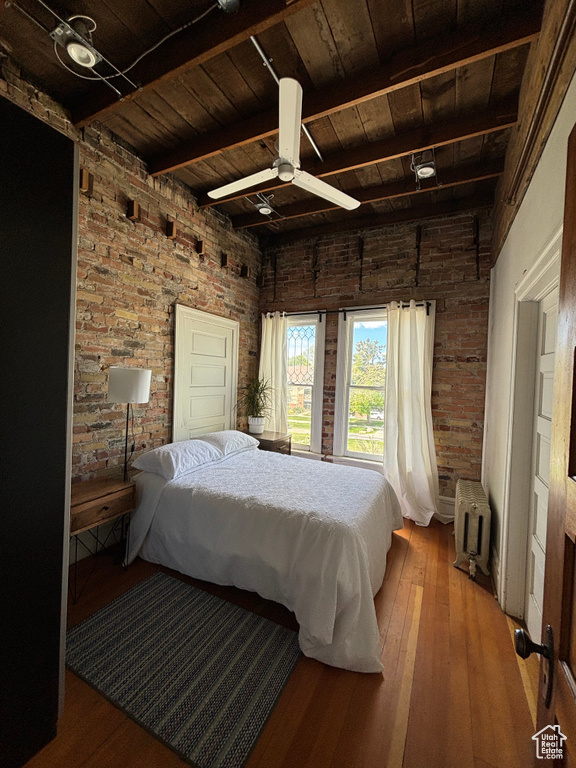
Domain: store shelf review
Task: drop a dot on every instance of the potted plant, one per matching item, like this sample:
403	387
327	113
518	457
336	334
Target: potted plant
254	400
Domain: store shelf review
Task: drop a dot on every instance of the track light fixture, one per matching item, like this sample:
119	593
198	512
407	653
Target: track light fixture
423	164
75	36
264	208
264	205
230	6
81	54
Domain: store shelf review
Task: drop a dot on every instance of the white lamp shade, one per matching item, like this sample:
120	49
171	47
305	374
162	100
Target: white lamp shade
129	385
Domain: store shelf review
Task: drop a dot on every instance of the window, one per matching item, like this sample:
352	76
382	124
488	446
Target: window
305	351
360	385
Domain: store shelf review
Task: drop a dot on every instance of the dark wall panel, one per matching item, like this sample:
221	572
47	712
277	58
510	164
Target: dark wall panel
37	228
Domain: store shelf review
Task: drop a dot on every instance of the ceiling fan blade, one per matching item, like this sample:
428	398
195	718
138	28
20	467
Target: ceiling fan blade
247	181
318	187
290	120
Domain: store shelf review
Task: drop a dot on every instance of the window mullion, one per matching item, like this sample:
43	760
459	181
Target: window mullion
349	349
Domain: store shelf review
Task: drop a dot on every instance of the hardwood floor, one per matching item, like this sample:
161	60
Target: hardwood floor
453	693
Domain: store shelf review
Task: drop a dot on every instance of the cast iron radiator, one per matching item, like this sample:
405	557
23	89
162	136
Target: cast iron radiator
472	526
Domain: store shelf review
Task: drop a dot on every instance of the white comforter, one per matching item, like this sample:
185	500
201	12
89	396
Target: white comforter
310	535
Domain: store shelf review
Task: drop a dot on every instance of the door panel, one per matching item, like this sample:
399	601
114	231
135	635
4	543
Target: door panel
550	325
544	400
560	578
207	407
203	342
571	623
565	696
546	392
208	376
205	377
543	454
541	518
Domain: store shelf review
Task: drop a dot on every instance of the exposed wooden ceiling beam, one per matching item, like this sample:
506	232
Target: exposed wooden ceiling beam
449	178
427	137
431	211
191	47
432	58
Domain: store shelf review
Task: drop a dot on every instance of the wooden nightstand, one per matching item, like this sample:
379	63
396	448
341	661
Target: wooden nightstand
92	503
278	442
98	501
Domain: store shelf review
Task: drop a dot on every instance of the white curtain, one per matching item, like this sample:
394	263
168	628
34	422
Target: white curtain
409	453
273	369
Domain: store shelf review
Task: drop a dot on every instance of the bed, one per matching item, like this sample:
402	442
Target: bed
308	534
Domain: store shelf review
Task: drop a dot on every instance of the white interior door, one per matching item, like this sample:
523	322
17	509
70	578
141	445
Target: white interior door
205	373
548	316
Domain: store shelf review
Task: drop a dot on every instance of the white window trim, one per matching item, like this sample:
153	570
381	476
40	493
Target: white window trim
352	461
306	454
318	388
344	351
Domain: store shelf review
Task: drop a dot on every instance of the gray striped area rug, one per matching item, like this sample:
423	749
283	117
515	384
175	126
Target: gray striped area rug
198	672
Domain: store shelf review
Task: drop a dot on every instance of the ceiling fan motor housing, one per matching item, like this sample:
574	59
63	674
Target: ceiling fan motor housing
285	171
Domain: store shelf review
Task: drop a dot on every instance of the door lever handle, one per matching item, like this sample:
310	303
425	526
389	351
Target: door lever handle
525	647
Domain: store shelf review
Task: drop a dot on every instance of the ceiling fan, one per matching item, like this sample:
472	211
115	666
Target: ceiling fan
287	165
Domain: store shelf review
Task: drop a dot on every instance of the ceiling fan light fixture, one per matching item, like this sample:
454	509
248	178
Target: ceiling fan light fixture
264	209
81	54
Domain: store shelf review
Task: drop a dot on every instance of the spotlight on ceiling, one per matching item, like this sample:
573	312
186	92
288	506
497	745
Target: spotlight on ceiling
75	36
264	205
81	54
230	6
423	165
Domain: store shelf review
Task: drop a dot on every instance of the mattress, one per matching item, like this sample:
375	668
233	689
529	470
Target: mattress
308	534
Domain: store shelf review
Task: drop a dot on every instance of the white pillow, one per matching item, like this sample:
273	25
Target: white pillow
176	459
230	441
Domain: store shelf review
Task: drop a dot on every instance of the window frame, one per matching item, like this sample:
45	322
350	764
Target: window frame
346	321
318	386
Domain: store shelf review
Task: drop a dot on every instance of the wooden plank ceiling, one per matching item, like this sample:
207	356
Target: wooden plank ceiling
382	79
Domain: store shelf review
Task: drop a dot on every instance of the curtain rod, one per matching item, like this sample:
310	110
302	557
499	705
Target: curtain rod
320	312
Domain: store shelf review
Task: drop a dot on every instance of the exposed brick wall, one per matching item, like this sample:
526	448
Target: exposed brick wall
387	271
130	276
